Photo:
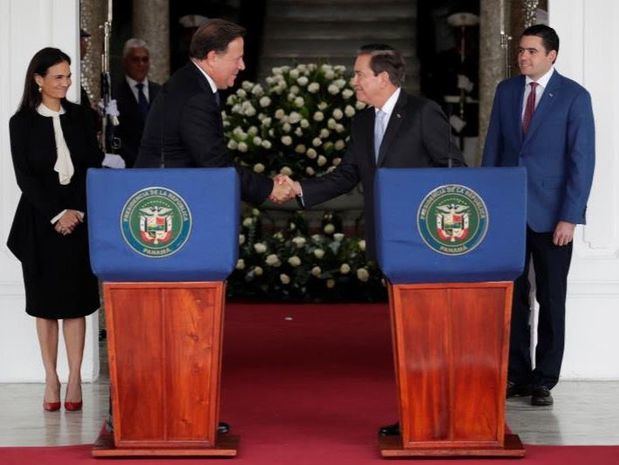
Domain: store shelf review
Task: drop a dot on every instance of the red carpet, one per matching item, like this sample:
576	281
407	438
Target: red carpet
308	384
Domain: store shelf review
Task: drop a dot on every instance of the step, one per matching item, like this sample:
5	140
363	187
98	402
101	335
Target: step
362	12
386	30
326	47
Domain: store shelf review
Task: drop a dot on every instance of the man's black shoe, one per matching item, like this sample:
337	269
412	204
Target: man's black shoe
541	396
389	430
223	428
514	390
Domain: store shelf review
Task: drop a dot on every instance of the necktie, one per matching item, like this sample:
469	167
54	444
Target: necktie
142	102
217	99
529	108
379	131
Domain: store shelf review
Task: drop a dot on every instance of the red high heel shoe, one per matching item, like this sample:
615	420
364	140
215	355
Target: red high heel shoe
72	406
51	406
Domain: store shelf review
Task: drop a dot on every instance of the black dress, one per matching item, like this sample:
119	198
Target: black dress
57	276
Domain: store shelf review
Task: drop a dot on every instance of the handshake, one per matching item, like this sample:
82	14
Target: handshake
284	189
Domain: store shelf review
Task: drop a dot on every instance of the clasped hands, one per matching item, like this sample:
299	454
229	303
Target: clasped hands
284	189
68	222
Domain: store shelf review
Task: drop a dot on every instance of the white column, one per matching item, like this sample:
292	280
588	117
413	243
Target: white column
26	26
589	36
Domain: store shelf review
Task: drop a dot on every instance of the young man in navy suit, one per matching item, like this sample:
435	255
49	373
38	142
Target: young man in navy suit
543	121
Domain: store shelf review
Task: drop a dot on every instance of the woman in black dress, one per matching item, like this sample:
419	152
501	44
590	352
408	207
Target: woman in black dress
52	145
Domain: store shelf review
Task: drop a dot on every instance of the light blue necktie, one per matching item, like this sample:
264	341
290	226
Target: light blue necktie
380	122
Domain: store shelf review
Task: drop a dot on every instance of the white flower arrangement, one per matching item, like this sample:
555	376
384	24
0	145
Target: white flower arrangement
307	105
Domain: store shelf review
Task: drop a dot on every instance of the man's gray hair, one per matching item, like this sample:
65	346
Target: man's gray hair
134	43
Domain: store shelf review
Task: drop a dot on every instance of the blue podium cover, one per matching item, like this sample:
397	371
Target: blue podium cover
163	224
450	225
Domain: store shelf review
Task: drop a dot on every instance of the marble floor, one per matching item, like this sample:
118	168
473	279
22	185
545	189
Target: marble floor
585	412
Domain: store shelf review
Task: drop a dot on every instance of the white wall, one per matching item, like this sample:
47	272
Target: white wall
25	27
588	54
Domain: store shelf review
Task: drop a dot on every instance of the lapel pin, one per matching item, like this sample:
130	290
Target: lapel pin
398	115
550	95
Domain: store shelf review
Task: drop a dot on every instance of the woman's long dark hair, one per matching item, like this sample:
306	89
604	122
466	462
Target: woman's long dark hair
40	64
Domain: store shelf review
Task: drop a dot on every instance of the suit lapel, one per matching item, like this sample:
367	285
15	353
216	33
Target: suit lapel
392	128
548	98
517	96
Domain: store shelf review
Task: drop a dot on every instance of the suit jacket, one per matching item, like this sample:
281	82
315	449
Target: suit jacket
33	150
131	121
185	121
558	149
418	135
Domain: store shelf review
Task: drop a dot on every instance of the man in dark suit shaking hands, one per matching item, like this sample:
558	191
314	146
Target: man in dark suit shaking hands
134	94
184	126
396	131
543	121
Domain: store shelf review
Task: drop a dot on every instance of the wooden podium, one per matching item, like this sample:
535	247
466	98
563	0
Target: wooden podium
450	242
164	342
450	345
163	250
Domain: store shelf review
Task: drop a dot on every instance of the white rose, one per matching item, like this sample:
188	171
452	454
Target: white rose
319	116
316	237
339	128
284	278
257	90
339	144
266	144
336	161
286	140
250	111
299	102
316	142
255	212
329	228
347	93
302	81
241	93
362	244
322	106
247	85
330	169
257	140
330	283
311	153
286	127
294	73
259	167
349	111
300	148
310	171
276	70
242	147
328	145
359	105
304	123
333	89
247	222
240	264
341	83
270	79
272	132
241	239
294	90
294	117
331	124
252	131
266	122
329	74
298	241
338	237
264	102
298	132
232	144
258	271
259	247
324	133
363	275
322	160
294	261
316	271
319	253
313	87
338	114
236	108
345	268
286	171
279	113
272	260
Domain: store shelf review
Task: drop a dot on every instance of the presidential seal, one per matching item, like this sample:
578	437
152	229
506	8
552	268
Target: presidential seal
155	222
452	219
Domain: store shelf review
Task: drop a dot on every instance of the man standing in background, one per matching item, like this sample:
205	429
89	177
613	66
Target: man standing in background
543	121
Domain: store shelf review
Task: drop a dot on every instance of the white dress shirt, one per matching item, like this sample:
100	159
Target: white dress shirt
134	90
542	83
